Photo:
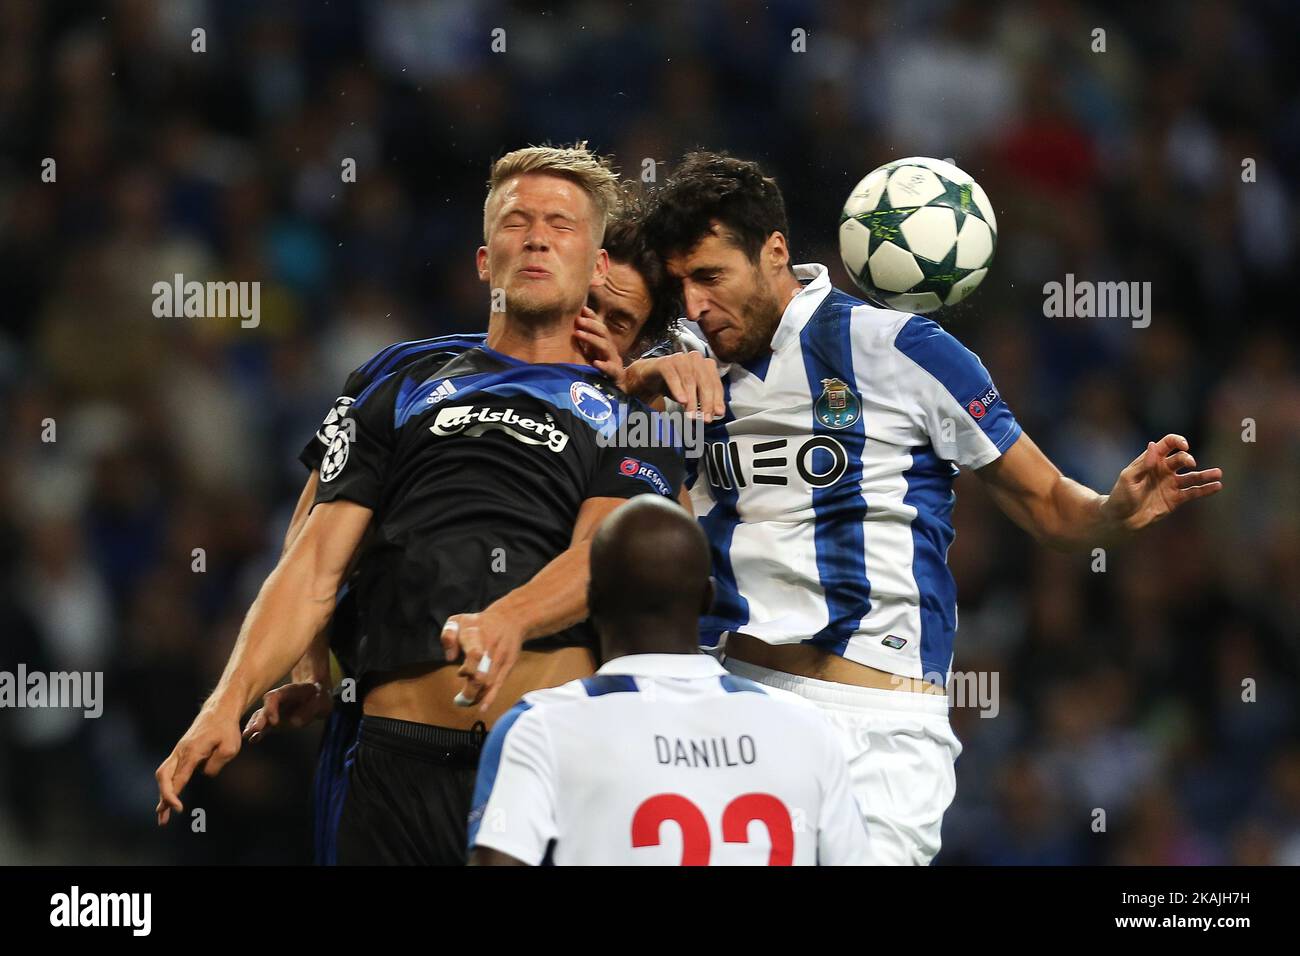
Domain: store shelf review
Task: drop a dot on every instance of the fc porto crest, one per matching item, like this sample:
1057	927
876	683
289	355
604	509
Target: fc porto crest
838	407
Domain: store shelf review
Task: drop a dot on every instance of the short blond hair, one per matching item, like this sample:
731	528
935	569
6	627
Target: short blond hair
593	173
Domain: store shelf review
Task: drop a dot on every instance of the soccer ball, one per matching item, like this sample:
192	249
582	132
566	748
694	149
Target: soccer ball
917	234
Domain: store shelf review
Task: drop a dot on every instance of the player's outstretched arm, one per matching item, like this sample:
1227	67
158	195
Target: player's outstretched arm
306	697
294	604
1064	514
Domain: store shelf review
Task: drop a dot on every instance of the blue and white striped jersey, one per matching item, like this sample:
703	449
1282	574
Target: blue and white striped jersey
826	491
665	759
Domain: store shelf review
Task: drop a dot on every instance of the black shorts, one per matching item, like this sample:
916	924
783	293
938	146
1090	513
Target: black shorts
408	794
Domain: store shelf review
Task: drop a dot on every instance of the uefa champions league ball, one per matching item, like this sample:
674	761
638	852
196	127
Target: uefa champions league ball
917	234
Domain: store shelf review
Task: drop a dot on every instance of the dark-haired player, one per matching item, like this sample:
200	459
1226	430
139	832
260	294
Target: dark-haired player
480	480
826	490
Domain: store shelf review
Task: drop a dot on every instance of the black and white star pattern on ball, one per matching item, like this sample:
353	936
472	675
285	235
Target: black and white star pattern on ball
336	455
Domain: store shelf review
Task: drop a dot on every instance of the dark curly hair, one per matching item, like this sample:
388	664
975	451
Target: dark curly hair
625	241
708	186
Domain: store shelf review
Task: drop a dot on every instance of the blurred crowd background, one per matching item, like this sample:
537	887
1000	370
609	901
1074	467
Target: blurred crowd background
1119	690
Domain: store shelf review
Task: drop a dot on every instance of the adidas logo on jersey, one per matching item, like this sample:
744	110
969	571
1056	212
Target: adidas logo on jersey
476	420
443	390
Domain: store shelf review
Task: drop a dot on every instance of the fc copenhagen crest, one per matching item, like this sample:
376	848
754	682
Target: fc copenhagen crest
838	407
589	402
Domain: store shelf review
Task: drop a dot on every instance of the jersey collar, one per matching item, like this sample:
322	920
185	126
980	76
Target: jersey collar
816	279
664	665
520	363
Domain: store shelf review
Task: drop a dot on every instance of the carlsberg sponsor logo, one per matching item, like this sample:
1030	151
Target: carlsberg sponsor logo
475	420
134	910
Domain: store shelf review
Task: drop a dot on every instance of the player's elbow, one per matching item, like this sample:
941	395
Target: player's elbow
300	584
317	561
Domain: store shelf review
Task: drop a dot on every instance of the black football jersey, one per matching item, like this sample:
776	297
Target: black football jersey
476	465
343	631
394	358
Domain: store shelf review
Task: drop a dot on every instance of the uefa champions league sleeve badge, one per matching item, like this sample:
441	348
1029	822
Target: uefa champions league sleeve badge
336	456
838	407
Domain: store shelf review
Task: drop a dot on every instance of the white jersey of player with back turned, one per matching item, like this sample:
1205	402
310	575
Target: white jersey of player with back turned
666	759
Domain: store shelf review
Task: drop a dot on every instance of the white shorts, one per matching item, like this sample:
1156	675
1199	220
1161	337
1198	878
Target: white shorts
900	749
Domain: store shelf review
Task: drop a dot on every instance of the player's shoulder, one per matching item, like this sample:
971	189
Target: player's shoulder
401	371
580	691
402	355
802	717
920	334
844	319
882	334
585	689
927	349
536	706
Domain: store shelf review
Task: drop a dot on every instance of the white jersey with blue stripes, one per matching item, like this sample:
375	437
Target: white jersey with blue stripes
826	491
666	759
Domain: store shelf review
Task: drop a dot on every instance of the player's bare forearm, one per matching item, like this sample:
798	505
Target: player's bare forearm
554	599
1064	514
314	665
1033	493
1075	517
294	603
556	596
278	629
489	642
293	607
